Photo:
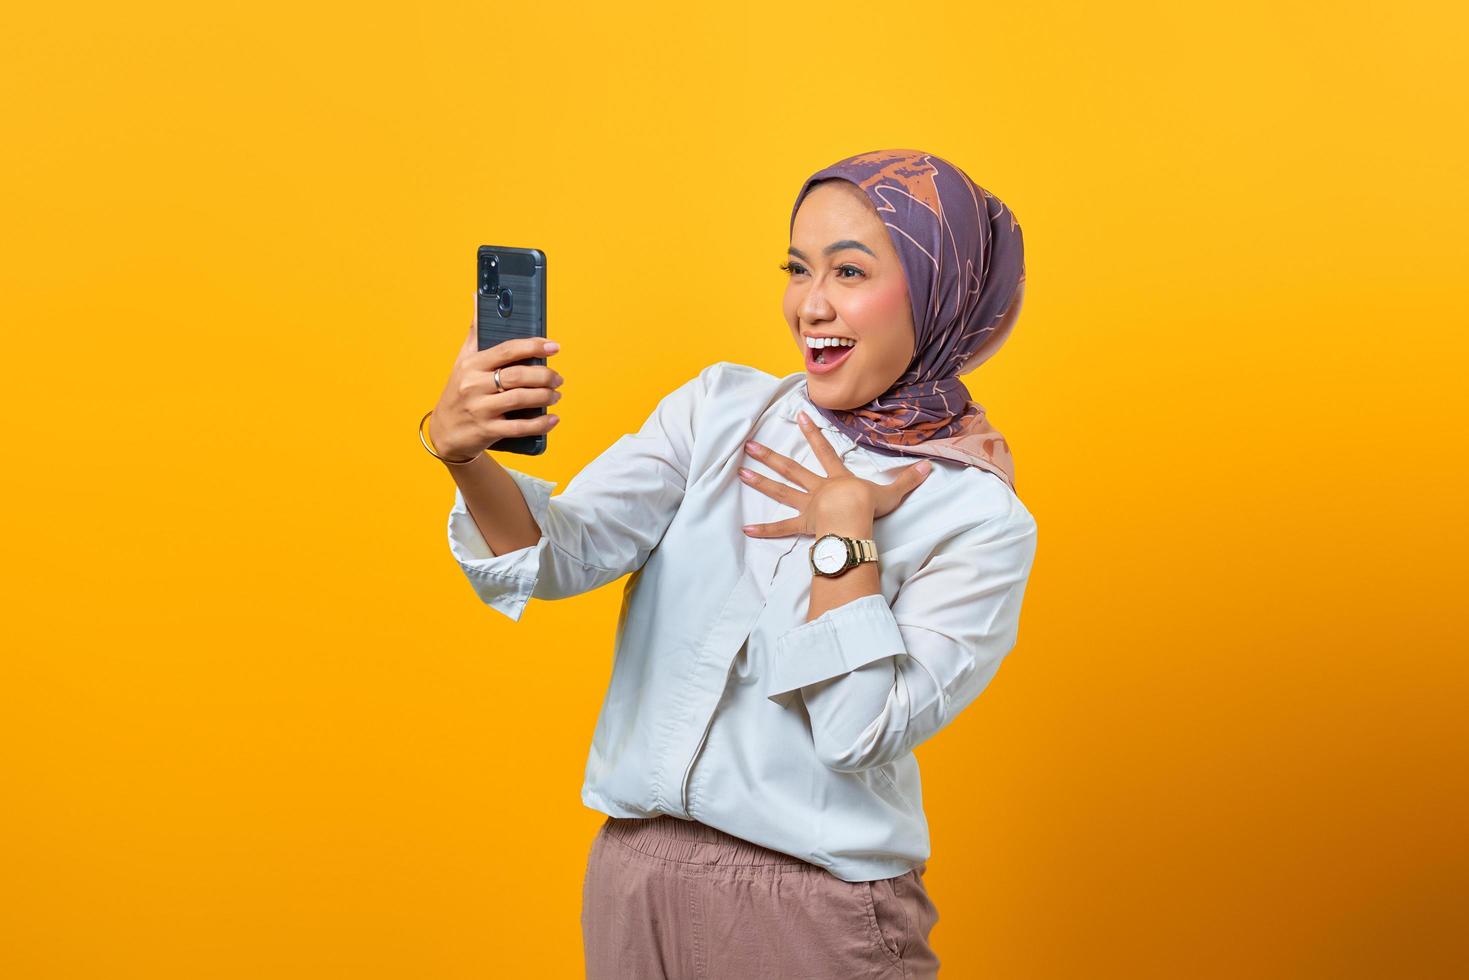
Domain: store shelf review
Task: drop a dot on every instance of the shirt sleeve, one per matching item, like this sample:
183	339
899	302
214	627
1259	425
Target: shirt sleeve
879	679
603	525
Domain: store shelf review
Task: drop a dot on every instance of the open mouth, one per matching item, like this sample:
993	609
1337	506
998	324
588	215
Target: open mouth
820	360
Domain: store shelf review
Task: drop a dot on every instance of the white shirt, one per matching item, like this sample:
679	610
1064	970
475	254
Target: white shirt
725	705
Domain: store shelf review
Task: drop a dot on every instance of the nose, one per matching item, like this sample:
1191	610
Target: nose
814	305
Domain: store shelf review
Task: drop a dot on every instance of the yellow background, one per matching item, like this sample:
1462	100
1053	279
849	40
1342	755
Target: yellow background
255	722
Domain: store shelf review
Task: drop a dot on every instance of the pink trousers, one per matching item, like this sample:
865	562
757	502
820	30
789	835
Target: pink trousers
671	899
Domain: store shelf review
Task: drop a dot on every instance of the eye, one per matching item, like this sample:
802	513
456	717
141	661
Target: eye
792	268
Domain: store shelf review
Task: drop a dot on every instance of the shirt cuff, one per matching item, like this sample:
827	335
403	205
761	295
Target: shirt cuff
503	582
837	642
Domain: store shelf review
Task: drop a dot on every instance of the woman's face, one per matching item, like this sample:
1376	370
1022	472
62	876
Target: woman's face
847	281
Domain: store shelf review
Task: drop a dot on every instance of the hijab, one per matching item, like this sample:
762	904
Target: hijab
964	259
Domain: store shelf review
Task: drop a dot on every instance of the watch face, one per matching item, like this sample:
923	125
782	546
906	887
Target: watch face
829	554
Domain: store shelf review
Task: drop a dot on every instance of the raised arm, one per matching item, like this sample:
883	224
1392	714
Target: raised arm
606	522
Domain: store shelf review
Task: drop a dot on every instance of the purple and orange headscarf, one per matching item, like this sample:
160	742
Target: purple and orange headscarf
964	259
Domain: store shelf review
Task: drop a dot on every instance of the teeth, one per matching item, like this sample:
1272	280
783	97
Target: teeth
816	342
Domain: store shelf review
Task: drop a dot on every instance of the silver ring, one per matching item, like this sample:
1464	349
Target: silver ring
498	386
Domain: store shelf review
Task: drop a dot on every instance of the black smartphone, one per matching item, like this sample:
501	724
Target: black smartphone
510	295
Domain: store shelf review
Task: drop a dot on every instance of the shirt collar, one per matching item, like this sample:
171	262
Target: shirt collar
800	402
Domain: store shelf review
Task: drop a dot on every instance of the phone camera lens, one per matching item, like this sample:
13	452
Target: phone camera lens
506	303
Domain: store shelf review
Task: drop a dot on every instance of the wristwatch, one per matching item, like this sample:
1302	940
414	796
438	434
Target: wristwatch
833	554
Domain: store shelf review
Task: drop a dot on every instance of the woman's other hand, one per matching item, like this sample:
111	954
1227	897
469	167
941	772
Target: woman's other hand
815	498
470	415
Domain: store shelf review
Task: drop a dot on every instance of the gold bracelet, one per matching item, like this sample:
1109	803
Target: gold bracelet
423	438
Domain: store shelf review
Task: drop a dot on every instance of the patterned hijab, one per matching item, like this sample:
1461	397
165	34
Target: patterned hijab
963	256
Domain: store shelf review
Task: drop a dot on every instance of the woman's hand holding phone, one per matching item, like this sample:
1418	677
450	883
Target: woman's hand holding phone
470	415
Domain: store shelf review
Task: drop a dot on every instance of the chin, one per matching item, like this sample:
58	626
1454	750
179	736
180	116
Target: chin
831	394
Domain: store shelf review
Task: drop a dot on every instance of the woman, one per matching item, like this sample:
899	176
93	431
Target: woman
826	568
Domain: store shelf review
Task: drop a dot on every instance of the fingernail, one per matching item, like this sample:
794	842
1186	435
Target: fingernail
753	448
746	474
924	467
552	347
554	418
749	529
802	417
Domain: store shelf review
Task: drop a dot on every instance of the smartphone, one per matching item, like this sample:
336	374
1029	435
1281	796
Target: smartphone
510	297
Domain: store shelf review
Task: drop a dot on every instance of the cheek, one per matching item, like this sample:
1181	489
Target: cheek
879	317
791	305
877	310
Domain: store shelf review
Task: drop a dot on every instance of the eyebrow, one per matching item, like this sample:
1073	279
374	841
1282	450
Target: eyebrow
834	247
